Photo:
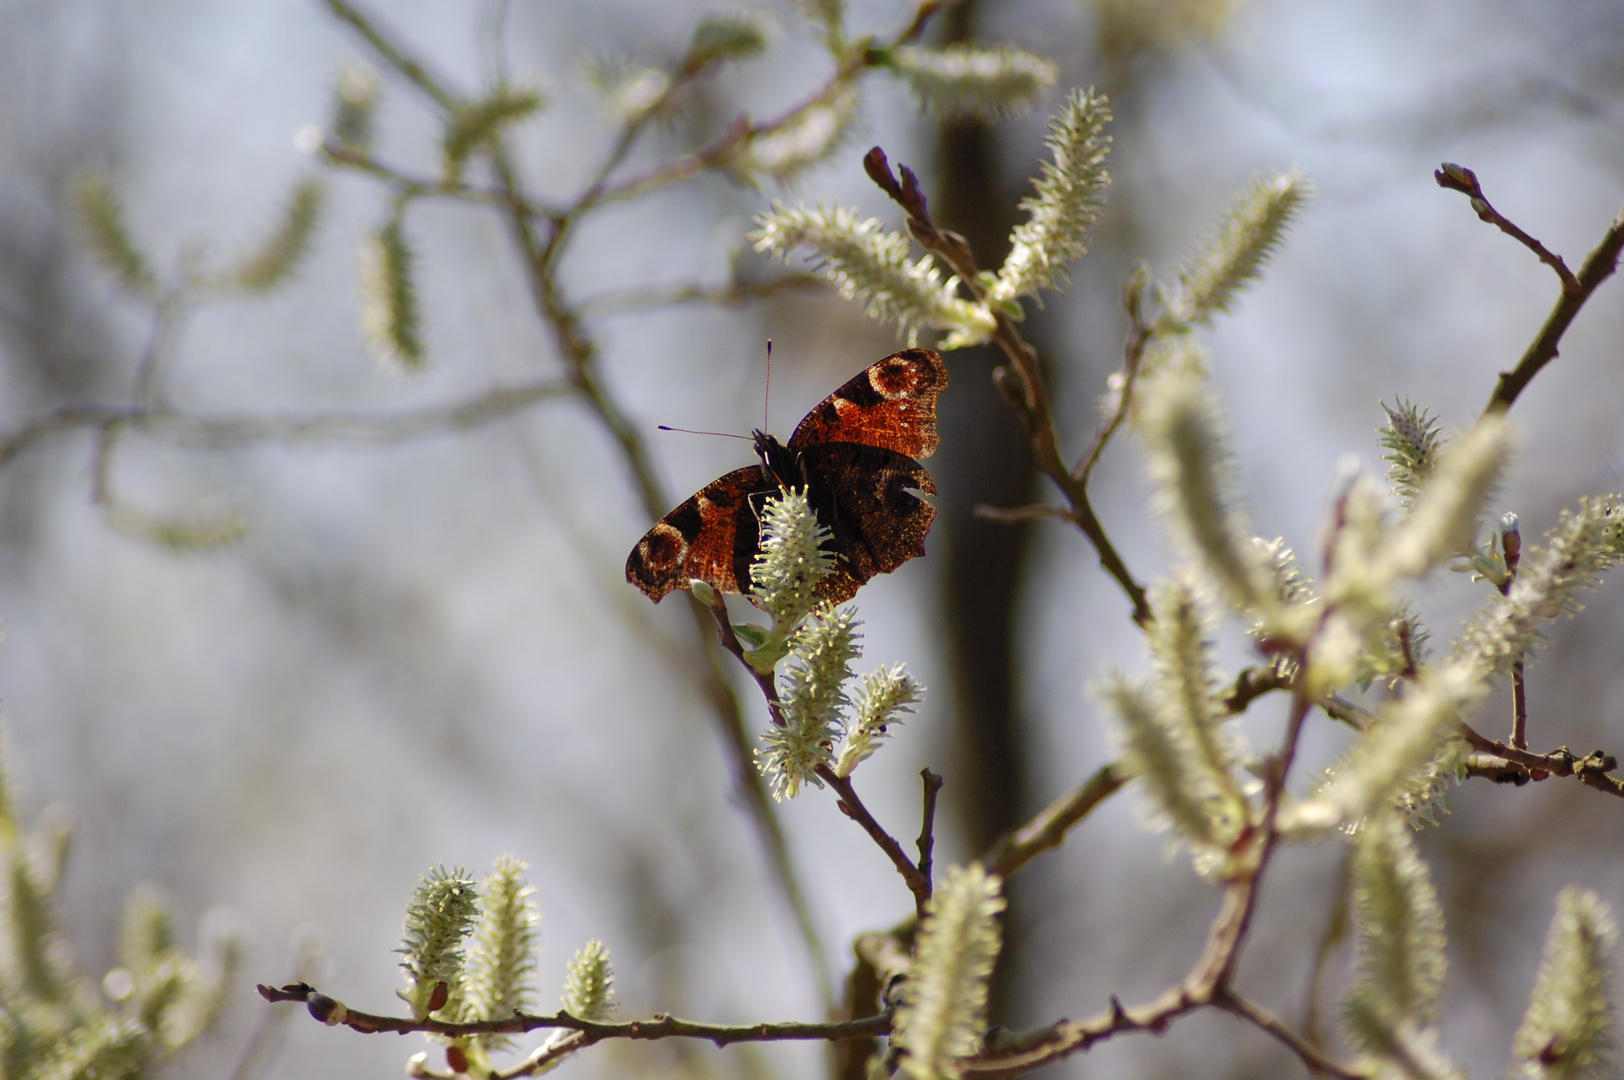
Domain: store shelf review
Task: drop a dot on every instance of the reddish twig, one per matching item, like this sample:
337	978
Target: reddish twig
1464	180
1021	380
853	807
1598	266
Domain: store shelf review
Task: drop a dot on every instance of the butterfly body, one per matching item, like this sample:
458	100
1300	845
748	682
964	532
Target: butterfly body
854	455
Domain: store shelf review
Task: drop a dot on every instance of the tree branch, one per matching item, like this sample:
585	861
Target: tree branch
1598	266
1021	381
334	1013
241	430
1592	770
1048	830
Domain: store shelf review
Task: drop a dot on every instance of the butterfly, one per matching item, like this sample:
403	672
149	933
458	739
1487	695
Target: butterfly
855	456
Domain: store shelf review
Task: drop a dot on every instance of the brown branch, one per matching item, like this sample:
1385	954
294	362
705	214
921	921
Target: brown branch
1048	830
1317	1060
246	429
1021	380
853	807
1592	770
927	826
1598	266
1013	515
1464	180
334	1013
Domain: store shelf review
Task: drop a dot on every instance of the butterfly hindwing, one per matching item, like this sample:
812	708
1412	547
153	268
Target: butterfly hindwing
864	494
712	536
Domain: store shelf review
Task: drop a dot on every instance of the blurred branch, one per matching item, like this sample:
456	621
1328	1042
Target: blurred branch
1312	1055
742	130
629	301
395	55
1598	266
1048	830
334	1013
1592	770
241	430
416	186
1021	381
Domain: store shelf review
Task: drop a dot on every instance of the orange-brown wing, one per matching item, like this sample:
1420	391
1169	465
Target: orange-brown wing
713	537
892	406
865	495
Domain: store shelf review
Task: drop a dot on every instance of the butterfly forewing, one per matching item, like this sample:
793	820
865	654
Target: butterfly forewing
891	405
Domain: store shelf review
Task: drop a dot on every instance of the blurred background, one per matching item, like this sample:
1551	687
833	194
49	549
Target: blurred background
424	652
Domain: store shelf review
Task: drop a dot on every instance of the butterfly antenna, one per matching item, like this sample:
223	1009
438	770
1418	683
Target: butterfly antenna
767	394
691	431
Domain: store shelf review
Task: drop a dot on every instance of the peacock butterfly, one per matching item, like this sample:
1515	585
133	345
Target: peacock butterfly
855	455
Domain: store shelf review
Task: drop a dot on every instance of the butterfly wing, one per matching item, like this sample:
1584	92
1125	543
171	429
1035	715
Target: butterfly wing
865	495
891	406
856	452
713	537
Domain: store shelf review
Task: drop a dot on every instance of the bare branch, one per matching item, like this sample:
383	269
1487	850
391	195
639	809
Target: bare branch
1464	180
334	1013
1592	770
1598	266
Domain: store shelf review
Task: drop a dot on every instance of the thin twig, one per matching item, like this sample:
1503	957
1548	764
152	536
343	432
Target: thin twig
1598	266
742	130
403	182
1313	1056
1048	830
1013	515
853	807
395	55
1464	180
927	826
227	430
334	1013
632	301
1021	381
